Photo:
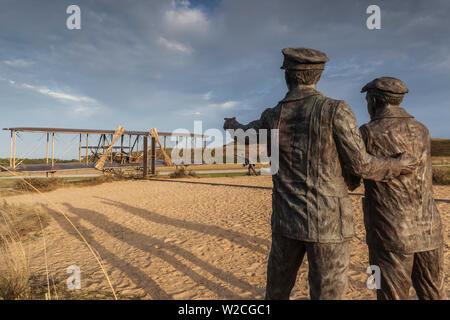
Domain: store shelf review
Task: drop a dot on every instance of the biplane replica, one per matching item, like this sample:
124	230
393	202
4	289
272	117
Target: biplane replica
112	149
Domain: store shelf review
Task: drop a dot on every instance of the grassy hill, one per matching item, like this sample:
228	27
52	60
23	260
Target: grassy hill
5	161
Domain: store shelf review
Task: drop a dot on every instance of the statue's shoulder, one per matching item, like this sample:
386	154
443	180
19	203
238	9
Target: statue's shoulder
365	130
270	112
335	105
365	127
336	102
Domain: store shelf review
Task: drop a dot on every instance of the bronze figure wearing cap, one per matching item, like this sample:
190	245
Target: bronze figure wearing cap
320	148
303	59
403	225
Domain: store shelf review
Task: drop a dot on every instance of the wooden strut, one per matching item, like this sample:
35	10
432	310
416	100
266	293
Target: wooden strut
129	149
137	146
111	148
79	150
167	159
145	154
132	148
15	145
121	149
14	155
87	149
101	162
48	139
153	155
100	145
11	150
53	149
203	149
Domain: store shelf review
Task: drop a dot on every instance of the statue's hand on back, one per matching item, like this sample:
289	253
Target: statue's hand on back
408	164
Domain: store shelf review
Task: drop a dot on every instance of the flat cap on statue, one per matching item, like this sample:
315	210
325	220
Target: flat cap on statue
303	59
386	84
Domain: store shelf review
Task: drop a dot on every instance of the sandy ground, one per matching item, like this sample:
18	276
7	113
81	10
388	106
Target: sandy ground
169	240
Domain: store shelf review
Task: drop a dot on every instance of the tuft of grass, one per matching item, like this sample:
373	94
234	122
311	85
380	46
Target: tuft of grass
441	175
23	220
14	270
182	172
42	184
17	223
100	179
50	184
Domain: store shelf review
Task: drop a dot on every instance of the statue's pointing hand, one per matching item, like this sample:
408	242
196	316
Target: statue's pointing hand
228	124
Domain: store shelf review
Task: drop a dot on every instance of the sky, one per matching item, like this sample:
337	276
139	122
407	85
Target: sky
165	64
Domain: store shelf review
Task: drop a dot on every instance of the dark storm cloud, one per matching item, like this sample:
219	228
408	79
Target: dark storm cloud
167	63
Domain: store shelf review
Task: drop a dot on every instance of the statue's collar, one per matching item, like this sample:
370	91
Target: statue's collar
300	93
391	112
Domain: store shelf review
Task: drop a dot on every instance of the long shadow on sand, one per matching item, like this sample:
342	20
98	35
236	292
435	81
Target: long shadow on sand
156	248
250	242
135	274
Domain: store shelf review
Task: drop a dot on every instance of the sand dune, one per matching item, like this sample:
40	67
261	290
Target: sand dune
168	240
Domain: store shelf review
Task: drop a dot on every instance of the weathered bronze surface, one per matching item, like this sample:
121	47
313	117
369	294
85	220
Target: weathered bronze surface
403	225
328	265
423	270
320	150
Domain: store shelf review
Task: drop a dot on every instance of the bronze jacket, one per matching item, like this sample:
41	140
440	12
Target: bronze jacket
400	215
319	146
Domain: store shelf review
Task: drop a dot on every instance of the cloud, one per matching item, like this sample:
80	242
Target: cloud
86	111
58	95
444	64
439	62
181	3
18	63
352	68
225	105
79	106
199	109
207	96
186	20
175	45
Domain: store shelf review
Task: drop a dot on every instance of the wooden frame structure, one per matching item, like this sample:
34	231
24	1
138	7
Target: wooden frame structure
126	155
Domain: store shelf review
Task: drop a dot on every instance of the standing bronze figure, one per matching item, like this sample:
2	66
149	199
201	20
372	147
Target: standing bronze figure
320	149
403	225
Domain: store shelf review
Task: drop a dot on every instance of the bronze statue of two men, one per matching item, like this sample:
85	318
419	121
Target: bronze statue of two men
323	154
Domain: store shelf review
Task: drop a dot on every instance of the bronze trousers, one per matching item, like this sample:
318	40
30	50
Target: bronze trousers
423	270
328	265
